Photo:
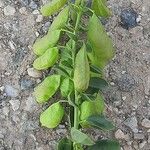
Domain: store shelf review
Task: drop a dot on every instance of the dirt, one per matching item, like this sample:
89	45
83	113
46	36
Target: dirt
127	99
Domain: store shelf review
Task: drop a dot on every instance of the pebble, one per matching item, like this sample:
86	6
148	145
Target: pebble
31	104
9	10
15	104
126	83
39	18
33	5
1	3
6	111
141	145
23	10
132	124
145	123
120	135
128	18
26	84
138	136
35	12
34	73
11	91
2	88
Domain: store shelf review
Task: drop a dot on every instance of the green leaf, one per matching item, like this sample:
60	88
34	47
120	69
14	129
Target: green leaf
105	145
66	87
52	7
100	122
48	41
90	108
96	69
100	8
65	144
45	90
67	63
88	97
52	116
61	71
48	59
98	83
80	137
103	50
61	20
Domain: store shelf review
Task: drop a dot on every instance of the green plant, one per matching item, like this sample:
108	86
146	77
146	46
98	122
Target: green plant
77	48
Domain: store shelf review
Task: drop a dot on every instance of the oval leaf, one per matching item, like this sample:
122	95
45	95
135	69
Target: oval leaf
47	60
52	7
100	122
98	83
52	116
102	47
60	20
48	41
45	90
100	8
65	144
80	137
105	145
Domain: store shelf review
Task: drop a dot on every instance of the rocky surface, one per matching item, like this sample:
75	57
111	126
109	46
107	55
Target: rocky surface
127	99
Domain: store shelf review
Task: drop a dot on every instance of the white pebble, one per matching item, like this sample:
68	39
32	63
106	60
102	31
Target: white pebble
35	12
39	18
23	11
34	73
145	123
9	10
15	104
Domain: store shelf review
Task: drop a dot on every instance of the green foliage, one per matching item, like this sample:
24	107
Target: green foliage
48	41
82	70
45	90
80	137
100	8
65	144
105	145
102	48
52	7
48	59
90	108
52	116
77	53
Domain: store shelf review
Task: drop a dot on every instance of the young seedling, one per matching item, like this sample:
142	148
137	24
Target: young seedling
76	48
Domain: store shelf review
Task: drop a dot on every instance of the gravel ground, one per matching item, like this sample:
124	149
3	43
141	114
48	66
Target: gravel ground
128	98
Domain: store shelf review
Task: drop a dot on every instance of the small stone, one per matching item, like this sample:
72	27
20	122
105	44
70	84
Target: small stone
34	73
35	12
127	147
26	84
6	111
138	19
39	18
1	4
120	135
1	136
132	123
141	145
33	5
123	72
31	104
128	18
11	91
37	34
23	10
145	123
126	83
124	98
2	88
138	136
15	104
9	10
112	83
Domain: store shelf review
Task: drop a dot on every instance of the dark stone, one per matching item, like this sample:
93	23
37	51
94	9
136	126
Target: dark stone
26	84
128	18
126	83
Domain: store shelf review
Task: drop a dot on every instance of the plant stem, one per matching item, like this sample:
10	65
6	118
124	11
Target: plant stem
76	112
